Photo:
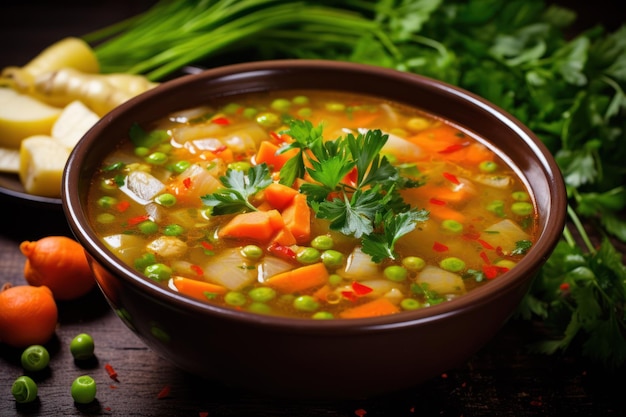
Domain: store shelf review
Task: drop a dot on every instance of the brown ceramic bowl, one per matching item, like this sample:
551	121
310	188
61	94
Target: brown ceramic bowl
312	358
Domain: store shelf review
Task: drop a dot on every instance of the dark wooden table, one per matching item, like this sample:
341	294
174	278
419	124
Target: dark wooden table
503	379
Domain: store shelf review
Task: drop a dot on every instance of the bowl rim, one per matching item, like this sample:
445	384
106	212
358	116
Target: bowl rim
547	237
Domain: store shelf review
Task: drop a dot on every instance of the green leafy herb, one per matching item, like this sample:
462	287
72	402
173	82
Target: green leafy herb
521	247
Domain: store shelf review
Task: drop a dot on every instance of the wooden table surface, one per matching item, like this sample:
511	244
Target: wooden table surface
503	379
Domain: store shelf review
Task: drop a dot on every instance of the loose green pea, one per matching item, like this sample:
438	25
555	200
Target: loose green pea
522	208
249	112
240	166
268	119
141	151
166	199
259	308
496	207
413	263
520	196
148	227
335	279
452	226
410	304
252	252
335	106
262	294
305	303
332	258
308	256
452	264
83	389
300	100
82	347
395	273
488	166
107	202
180	166
323	315
35	358
305	112
106	218
280	104
235	298
24	389
144	261
231	108
173	230
322	242
156	158
158	272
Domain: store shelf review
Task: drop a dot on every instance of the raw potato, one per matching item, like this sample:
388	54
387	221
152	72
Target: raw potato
22	116
9	160
75	120
42	160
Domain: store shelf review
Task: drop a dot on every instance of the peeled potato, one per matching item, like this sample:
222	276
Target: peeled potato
75	120
22	116
42	160
9	160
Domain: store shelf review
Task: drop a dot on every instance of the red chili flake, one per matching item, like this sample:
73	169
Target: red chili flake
165	392
221	121
349	295
352	176
111	372
361	289
122	206
360	412
484	244
451	177
454	148
471	236
276	136
199	271
136	220
439	247
207	245
485	258
499	251
564	287
283	251
490	271
437	202
187	182
220	150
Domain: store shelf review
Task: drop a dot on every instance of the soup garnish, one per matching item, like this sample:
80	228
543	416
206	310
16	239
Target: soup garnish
312	204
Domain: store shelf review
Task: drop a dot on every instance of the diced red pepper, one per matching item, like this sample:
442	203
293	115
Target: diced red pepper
199	271
361	289
349	295
451	177
437	202
282	251
439	247
490	271
454	148
485	258
122	206
220	149
484	244
221	121
187	182
138	219
112	373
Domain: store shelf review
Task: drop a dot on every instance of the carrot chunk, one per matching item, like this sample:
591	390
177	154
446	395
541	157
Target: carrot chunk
268	153
297	218
279	196
299	279
257	225
377	307
197	289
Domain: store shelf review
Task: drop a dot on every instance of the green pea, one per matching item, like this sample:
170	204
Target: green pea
304	112
249	112
148	227
83	389
488	166
231	108
180	166
417	123
24	389
395	273
410	304
413	263
173	230
144	261
332	258
335	106
259	308
522	208
520	196
452	264
240	166
141	151
300	100
496	207
280	104
82	347
305	303
158	272
106	218
235	298
35	358
252	252
156	158
262	294
268	119
107	202
166	199
322	242
308	256
452	226
323	315
335	279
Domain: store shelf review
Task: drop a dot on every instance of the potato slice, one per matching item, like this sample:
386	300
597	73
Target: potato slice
74	121
9	160
22	116
42	160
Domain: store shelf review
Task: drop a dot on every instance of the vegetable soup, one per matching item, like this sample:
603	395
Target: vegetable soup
312	204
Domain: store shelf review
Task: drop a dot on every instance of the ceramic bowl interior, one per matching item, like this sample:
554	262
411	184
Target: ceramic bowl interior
340	358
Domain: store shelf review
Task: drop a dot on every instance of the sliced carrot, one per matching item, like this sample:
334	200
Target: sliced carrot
443	212
443	193
278	195
284	237
377	307
297	217
299	279
197	289
439	138
323	292
268	153
257	225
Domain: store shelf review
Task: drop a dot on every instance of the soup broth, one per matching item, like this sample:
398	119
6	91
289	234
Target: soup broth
312	204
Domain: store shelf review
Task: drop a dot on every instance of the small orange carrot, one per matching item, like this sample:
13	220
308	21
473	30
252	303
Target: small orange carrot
197	289
297	218
299	279
257	225
377	307
269	153
278	195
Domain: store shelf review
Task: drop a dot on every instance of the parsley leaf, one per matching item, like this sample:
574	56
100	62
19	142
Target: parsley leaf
380	246
521	247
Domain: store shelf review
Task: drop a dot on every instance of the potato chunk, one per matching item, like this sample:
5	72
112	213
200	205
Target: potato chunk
42	160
